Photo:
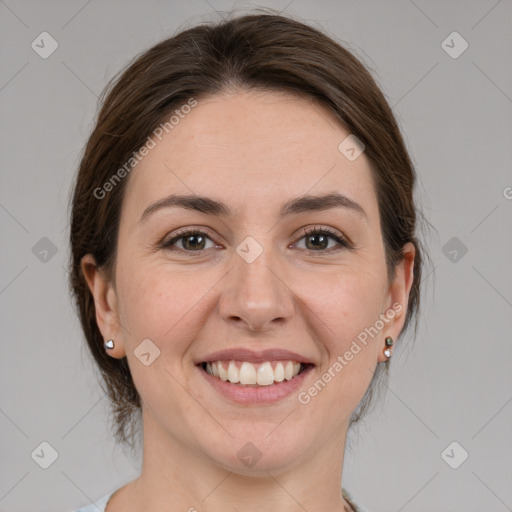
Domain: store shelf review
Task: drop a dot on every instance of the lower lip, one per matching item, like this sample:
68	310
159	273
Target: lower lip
256	394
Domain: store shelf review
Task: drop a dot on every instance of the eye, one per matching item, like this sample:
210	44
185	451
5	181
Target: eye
317	239
192	240
195	240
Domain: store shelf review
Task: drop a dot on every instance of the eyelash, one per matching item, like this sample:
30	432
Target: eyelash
186	232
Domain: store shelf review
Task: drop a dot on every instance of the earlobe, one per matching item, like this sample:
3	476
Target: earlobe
398	297
105	304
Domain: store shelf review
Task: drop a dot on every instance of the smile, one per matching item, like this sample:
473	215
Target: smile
251	377
245	373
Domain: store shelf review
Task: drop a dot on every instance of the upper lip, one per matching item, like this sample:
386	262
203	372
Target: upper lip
242	354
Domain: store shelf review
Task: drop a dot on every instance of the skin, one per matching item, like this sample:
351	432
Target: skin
247	149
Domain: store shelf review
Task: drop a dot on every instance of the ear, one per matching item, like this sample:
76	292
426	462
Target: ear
106	305
398	296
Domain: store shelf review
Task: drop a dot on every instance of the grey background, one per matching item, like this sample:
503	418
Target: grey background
455	384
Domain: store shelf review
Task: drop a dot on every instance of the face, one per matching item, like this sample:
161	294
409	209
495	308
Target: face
254	283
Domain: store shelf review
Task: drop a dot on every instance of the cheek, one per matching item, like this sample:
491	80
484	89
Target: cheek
160	303
344	302
341	318
157	306
354	312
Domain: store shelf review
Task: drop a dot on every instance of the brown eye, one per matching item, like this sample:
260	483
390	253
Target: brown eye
192	241
317	240
195	241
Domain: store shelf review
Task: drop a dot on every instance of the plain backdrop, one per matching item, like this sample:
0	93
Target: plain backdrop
450	394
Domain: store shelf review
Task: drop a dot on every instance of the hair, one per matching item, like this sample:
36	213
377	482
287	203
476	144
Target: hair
267	52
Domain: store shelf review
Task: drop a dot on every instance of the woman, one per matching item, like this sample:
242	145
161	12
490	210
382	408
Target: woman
243	261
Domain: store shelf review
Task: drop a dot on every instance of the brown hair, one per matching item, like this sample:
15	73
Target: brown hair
257	51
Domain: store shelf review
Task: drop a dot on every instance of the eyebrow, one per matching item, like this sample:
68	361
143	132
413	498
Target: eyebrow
209	206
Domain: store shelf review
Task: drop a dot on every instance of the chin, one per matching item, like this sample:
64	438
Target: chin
259	452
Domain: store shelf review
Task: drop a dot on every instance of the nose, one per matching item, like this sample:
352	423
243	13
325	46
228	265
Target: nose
256	296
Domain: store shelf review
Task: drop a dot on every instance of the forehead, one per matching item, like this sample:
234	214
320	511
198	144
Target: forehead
251	146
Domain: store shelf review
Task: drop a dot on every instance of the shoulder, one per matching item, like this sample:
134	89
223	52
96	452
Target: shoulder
357	506
98	506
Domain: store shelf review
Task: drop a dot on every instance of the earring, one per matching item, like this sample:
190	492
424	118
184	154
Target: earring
109	344
389	343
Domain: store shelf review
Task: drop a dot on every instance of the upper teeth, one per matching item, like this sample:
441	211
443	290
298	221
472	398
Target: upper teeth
248	373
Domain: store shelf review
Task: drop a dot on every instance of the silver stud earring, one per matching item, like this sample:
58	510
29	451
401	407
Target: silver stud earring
389	343
109	344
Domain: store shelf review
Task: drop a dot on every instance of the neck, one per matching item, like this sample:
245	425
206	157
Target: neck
178	477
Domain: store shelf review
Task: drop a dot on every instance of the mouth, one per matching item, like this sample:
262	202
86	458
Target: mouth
248	377
248	374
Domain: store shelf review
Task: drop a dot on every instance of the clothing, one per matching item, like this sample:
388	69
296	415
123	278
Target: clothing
358	507
98	507
102	503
